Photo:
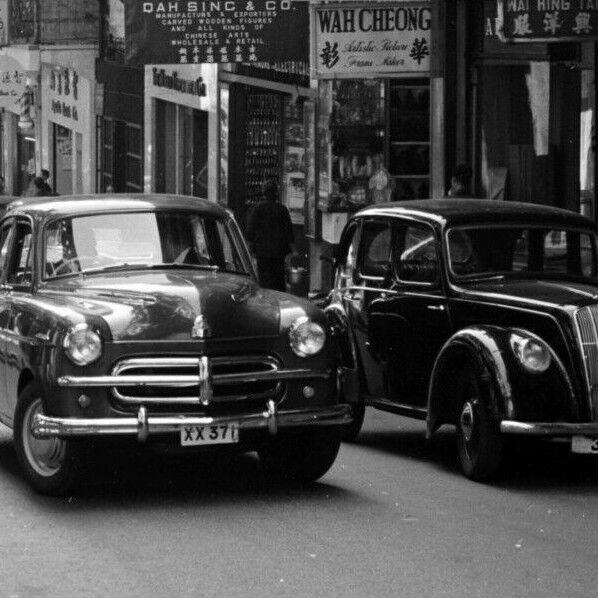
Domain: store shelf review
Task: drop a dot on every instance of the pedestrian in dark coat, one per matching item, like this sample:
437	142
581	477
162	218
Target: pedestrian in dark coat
270	235
42	189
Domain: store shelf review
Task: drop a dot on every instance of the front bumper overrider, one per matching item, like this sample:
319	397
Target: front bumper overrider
270	419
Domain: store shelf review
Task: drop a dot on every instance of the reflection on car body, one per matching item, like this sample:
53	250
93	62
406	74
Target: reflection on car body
474	313
140	316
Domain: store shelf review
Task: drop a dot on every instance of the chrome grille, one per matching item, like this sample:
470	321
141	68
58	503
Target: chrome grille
172	381
586	319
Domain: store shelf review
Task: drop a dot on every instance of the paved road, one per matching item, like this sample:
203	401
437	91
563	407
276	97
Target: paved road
393	517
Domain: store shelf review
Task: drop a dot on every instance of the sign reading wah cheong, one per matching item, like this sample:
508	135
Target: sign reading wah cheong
548	20
216	31
372	39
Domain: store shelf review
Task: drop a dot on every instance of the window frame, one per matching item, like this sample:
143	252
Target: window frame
548	227
20	219
10	221
414	283
361	249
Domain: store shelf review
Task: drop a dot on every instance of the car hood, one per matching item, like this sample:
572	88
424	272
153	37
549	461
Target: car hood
165	305
552	294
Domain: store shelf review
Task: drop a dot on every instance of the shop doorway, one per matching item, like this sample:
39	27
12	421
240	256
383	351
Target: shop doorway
26	163
62	167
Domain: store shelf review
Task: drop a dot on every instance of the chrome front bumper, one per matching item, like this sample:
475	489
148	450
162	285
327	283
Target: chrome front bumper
548	429
143	425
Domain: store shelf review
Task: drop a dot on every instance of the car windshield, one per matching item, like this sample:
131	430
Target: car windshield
101	242
522	251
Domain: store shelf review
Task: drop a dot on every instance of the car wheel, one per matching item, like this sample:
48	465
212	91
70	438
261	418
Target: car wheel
351	432
51	465
479	441
300	458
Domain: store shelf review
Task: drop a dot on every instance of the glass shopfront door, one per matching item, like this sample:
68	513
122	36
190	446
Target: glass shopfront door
63	160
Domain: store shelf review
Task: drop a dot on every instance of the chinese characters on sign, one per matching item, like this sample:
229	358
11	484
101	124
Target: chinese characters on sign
64	86
217	31
372	39
546	20
13	82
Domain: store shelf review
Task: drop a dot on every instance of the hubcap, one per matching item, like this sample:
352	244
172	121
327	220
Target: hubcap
45	455
467	420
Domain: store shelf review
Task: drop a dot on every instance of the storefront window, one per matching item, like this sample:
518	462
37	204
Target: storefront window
166	149
294	161
379	141
133	163
224	140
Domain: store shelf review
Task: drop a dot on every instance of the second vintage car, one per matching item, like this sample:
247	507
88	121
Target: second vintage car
140	316
476	313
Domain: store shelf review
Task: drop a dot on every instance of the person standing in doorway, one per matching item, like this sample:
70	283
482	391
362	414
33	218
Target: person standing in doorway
270	235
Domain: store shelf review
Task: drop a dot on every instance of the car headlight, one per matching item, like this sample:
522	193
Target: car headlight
532	353
82	345
306	337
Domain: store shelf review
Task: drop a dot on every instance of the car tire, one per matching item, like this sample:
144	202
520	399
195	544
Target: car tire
300	458
479	441
351	432
51	465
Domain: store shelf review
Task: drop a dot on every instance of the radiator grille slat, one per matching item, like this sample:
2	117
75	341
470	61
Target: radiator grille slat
586	319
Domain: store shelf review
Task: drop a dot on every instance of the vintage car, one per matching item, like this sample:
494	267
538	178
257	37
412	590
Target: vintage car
140	316
476	313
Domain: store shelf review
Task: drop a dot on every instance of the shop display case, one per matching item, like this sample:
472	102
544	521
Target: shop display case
263	147
373	145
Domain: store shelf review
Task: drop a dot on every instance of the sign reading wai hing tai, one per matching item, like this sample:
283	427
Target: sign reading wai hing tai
372	39
548	20
217	31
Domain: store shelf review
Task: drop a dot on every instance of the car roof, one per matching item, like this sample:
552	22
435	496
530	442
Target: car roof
70	205
453	211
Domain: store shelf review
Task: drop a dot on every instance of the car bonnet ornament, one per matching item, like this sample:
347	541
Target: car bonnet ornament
201	328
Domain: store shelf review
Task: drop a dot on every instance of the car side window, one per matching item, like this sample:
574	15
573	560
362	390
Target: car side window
20	271
415	254
375	249
5	239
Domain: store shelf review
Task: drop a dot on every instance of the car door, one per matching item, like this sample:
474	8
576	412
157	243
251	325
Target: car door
411	321
18	281
366	283
6	238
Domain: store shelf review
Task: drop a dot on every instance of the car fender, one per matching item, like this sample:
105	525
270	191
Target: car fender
509	388
348	367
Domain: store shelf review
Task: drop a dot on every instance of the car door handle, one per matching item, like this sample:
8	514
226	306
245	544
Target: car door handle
436	307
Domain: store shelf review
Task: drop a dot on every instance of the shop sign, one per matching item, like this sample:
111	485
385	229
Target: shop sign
3	22
547	20
64	92
13	81
372	39
217	31
195	87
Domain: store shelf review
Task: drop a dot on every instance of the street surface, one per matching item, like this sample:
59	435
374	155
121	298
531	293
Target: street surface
394	517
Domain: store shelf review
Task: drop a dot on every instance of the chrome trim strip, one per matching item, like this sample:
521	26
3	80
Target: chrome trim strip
182	381
548	429
45	426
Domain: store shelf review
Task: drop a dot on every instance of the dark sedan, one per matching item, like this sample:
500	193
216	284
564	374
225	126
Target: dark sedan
140	316
480	314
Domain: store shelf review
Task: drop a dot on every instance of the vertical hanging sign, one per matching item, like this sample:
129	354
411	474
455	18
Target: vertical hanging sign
216	31
3	22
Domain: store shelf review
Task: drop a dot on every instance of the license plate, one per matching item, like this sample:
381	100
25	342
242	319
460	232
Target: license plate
202	435
584	445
